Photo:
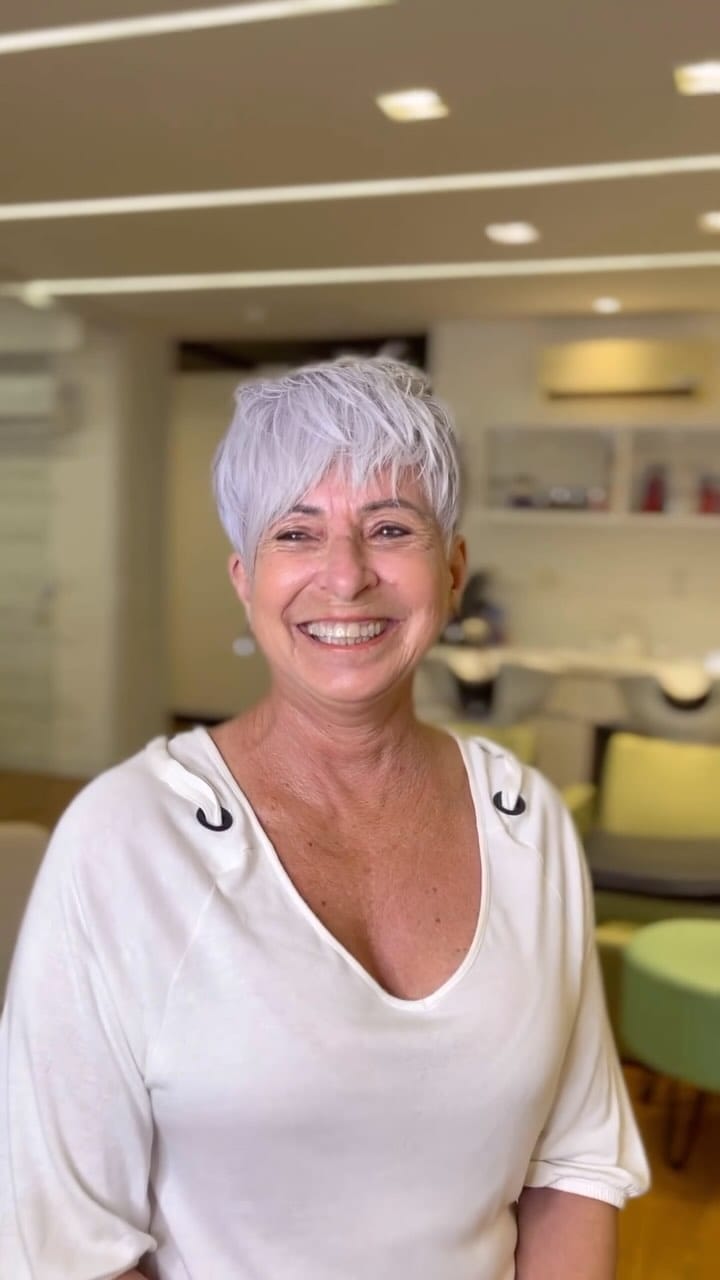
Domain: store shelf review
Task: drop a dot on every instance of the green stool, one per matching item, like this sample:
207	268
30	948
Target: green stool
670	1010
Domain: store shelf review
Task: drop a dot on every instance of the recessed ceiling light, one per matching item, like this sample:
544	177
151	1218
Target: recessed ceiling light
710	221
512	232
413	104
698	77
397	273
607	306
160	24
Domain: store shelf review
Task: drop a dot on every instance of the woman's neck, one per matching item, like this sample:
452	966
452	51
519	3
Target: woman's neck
349	751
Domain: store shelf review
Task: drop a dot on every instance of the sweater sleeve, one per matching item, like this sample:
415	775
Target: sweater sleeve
590	1144
75	1117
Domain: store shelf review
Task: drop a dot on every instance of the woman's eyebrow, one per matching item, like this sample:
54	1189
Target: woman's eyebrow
393	502
301	509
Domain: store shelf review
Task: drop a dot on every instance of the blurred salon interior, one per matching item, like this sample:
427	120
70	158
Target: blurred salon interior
524	200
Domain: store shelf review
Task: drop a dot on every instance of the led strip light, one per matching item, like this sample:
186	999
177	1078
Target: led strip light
324	276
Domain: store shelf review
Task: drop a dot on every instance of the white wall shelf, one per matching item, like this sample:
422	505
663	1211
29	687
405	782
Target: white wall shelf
606	466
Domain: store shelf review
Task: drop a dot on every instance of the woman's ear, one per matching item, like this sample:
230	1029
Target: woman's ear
457	562
240	580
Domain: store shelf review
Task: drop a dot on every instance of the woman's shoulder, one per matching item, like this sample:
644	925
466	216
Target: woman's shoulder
130	868
126	876
148	817
121	800
529	806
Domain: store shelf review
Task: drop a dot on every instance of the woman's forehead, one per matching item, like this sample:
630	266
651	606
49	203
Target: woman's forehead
337	488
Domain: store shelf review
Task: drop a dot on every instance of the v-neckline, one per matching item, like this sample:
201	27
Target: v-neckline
398	1002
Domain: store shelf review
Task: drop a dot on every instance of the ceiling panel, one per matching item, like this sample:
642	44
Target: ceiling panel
407	308
649	216
529	84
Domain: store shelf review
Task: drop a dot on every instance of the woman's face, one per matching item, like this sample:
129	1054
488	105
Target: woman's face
350	589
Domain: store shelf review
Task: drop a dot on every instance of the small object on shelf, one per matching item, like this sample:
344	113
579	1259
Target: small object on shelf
479	607
613	471
563	497
522	492
709	496
654	490
597	498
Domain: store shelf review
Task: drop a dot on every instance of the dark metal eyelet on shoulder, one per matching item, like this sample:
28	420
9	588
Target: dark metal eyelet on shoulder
518	808
226	821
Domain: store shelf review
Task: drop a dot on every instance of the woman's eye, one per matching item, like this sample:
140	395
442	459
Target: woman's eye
390	531
291	535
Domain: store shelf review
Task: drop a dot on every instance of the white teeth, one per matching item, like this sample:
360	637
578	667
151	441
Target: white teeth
345	633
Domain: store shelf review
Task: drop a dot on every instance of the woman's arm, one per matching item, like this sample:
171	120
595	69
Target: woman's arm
562	1236
76	1122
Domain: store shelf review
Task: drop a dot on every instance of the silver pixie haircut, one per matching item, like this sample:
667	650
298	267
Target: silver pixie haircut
362	415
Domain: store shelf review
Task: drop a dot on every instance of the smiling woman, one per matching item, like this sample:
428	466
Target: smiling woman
319	989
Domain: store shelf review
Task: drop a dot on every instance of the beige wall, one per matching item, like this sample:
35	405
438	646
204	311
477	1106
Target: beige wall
95	613
204	615
589	582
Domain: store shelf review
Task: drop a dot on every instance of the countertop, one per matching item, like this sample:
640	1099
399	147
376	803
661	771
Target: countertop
682	678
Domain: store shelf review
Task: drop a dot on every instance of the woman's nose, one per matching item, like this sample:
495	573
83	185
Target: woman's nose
347	569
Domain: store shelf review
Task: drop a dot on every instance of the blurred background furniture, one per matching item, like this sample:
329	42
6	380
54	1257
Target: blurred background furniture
612	938
651	828
652	710
670	1014
438	701
519	692
436	693
475	631
575	697
651	831
22	845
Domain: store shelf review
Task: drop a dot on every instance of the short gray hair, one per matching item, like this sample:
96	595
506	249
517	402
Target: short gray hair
363	415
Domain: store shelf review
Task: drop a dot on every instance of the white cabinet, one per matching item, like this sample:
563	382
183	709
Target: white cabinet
662	475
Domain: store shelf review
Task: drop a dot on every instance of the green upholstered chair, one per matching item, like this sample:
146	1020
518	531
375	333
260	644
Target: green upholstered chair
651	829
652	787
670	1011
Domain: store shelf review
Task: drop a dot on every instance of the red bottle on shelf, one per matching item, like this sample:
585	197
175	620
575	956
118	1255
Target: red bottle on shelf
654	490
709	496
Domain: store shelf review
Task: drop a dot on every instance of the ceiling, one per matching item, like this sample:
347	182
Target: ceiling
529	83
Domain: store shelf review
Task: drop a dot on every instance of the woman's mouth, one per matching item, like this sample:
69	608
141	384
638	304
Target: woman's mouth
345	633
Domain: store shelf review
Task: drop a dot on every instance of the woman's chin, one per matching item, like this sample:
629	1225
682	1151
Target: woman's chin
349	688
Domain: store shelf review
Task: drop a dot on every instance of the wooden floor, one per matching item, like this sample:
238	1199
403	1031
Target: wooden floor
35	797
673	1233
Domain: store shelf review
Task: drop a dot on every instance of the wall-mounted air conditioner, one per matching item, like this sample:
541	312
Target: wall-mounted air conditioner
624	367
